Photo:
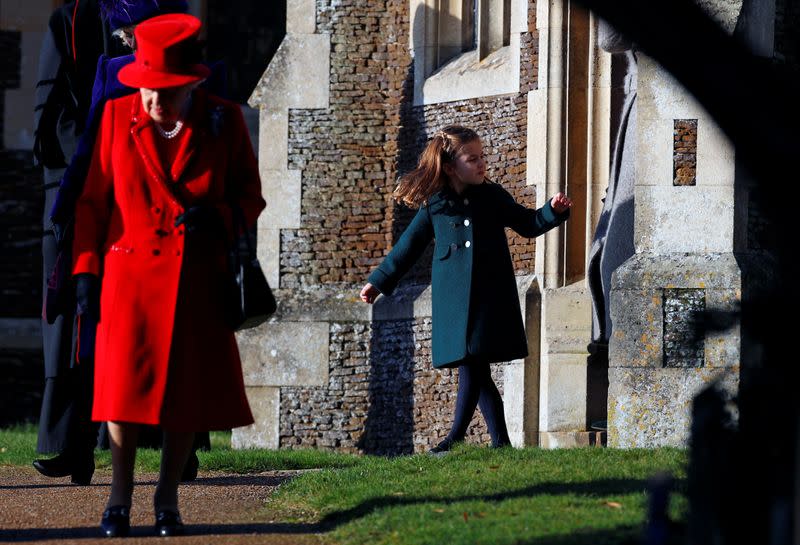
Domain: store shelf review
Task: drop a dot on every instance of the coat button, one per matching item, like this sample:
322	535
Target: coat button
156	210
156	252
466	222
467	244
466	201
454	246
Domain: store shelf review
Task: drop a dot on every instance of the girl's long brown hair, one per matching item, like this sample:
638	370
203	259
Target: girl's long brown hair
416	187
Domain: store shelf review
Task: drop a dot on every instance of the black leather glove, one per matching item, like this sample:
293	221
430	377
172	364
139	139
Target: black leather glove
201	218
87	296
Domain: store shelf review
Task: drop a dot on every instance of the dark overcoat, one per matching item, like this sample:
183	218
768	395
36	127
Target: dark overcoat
476	308
62	98
164	354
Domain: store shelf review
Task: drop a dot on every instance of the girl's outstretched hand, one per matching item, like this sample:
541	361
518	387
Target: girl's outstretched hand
369	293
560	203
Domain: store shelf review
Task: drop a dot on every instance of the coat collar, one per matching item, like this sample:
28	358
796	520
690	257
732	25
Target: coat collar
449	196
147	145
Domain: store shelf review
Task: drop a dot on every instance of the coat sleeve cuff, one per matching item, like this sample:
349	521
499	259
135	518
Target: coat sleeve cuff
551	216
86	262
380	280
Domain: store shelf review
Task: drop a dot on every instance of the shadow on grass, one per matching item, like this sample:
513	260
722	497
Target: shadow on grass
594	489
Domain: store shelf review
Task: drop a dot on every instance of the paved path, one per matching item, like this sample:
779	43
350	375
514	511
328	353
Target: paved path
216	508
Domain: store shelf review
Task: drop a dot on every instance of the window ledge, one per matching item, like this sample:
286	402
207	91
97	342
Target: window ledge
466	77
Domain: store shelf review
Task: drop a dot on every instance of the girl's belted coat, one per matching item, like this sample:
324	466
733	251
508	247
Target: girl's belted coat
164	354
476	309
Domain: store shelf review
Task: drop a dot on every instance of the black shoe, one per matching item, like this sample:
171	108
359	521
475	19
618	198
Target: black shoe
80	468
58	466
443	448
116	521
190	469
168	523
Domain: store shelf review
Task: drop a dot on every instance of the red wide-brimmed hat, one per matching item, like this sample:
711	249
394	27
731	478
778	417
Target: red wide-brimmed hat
167	53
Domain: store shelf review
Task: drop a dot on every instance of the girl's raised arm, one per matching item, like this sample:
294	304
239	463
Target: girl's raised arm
405	253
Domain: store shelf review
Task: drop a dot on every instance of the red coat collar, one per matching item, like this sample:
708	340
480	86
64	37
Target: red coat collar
146	142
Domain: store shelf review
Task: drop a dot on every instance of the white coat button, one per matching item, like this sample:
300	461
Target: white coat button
466	222
466	201
467	244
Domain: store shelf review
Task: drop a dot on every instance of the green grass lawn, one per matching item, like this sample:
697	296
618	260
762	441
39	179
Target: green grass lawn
475	495
18	447
478	495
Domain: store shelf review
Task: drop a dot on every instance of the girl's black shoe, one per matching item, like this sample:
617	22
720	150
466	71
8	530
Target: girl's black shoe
116	521
168	523
443	448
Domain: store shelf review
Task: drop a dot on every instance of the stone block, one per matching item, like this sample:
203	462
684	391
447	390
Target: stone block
298	75
689	219
268	250
301	17
285	354
404	304
576	439
724	12
567	319
562	402
273	145
713	271
650	408
637	316
716	157
723	348
537	137
467	77
521	402
324	303
282	191
264	433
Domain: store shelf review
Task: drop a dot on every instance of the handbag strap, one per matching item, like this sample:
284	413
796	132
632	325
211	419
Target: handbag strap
239	222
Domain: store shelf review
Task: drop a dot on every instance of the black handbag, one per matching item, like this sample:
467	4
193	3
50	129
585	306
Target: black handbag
250	301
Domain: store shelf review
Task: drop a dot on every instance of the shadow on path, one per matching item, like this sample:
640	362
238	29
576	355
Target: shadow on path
93	532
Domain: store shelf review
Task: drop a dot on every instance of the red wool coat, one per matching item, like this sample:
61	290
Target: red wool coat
163	353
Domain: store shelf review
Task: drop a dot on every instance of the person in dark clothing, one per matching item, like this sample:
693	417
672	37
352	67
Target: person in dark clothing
476	314
76	36
73	86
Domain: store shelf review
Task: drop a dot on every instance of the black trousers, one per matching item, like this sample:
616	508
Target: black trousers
65	420
477	389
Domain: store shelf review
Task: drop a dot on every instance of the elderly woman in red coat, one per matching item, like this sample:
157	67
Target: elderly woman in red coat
151	234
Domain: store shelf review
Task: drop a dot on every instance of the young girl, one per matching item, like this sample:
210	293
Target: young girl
476	314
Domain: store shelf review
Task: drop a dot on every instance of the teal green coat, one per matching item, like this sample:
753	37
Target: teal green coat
475	302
